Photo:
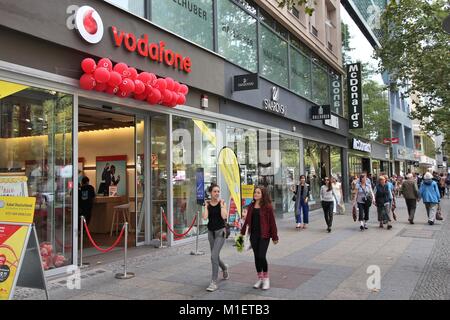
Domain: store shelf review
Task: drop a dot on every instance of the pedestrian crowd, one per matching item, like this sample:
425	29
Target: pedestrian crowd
259	226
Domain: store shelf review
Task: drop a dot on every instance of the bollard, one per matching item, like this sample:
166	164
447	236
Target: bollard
196	252
161	229
125	274
81	243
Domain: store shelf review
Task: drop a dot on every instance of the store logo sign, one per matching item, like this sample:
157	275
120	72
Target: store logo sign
355	111
361	146
87	21
273	105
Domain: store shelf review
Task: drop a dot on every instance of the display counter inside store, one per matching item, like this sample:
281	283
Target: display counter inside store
102	213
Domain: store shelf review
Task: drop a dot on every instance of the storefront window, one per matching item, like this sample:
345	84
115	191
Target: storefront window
336	163
274	57
288	175
312	170
135	6
237	35
244	143
320	93
300	73
36	143
194	146
191	19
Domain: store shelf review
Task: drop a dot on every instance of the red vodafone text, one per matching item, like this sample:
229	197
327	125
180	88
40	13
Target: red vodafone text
154	51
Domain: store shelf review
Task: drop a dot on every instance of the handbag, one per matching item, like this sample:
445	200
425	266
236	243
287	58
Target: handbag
341	208
354	213
294	197
439	213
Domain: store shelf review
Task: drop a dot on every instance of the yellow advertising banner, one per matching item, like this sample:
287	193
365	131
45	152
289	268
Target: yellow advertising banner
9	88
229	166
210	135
247	191
17	209
12	242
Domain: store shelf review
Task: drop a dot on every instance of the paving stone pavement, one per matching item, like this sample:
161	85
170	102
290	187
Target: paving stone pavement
413	262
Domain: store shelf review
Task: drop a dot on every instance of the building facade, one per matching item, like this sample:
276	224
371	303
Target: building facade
53	131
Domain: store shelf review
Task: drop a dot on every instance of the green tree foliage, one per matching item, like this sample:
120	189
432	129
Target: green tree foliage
376	112
290	3
415	50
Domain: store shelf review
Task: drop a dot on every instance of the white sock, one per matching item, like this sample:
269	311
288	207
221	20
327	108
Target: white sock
362	223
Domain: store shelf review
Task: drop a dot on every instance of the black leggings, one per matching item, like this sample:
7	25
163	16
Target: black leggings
260	246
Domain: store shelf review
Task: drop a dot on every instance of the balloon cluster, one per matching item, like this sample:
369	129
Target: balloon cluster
124	81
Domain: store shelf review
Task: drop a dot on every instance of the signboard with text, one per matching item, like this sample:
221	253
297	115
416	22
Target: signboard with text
245	82
354	91
200	185
320	112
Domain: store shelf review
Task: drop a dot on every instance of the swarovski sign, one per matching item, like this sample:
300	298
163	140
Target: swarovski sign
273	105
361	146
355	111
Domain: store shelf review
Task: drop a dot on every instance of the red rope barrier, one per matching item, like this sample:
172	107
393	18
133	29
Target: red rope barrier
178	234
96	246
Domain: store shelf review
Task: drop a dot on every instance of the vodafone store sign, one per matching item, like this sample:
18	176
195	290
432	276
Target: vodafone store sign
89	24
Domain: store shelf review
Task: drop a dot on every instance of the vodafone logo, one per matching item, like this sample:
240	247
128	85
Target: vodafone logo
89	24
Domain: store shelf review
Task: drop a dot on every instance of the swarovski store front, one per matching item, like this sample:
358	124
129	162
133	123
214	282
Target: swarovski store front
54	133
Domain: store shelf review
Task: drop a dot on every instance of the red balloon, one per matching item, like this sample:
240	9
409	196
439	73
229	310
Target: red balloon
170	83
115	79
88	65
167	96
181	99
152	99
127	85
112	89
122	94
139	87
87	81
155	96
184	89
161	84
144	77
174	100
101	75
101	87
122	68
153	78
176	86
105	63
132	73
148	90
141	96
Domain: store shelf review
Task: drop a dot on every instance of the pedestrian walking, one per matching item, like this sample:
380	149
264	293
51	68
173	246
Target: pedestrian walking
447	185
260	222
442	185
216	213
392	200
327	198
382	203
338	206
301	196
363	199
410	192
429	193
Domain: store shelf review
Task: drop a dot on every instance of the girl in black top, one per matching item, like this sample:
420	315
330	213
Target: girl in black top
216	213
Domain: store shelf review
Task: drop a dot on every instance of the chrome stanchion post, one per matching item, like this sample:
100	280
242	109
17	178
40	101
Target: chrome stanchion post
161	229
125	275
196	252
81	242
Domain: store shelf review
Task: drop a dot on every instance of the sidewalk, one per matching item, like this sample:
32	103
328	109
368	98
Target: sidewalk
306	264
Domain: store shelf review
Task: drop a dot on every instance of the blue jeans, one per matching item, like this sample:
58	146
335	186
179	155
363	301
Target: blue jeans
305	208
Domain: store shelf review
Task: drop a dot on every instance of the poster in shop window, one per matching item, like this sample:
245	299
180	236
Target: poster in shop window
111	171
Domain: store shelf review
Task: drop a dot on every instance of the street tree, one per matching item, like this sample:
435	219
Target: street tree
415	51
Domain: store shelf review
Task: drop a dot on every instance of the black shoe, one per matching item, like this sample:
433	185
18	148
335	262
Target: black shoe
361	228
389	227
430	223
381	225
329	230
411	222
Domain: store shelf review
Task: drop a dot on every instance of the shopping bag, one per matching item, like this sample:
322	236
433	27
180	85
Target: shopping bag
439	213
341	207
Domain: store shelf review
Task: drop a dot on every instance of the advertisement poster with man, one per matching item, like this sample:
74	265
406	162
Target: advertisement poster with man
111	171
